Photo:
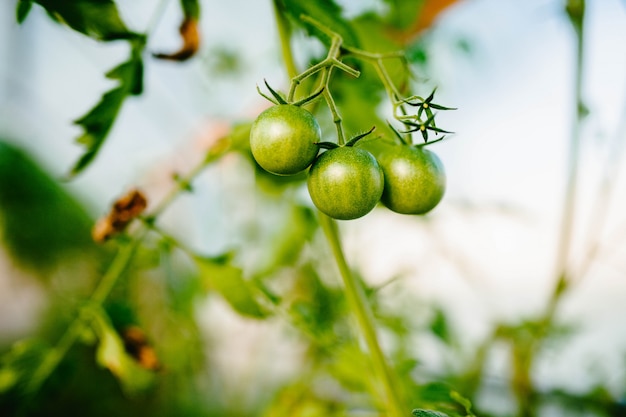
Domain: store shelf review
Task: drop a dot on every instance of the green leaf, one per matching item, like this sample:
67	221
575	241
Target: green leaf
41	223
419	412
316	309
220	275
98	19
462	401
326	12
443	397
440	326
112	355
350	367
22	10
98	121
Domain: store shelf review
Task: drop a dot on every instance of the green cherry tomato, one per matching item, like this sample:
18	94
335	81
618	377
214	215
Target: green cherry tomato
283	139
345	183
415	180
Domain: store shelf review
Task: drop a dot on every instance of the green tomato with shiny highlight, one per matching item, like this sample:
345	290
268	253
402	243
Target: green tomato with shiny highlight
415	179
345	183
283	139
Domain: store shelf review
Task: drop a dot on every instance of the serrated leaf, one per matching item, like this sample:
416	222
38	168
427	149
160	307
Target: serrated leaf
419	412
220	275
98	19
22	10
326	12
112	355
98	122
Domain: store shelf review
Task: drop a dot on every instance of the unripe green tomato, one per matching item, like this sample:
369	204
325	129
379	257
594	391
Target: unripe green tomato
345	183
415	180
283	139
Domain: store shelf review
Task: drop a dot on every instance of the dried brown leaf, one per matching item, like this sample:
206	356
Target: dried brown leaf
190	33
124	210
137	346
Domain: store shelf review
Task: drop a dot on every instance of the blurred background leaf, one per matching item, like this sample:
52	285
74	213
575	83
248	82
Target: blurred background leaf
41	223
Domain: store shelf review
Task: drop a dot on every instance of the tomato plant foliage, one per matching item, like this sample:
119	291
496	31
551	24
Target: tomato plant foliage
142	324
293	145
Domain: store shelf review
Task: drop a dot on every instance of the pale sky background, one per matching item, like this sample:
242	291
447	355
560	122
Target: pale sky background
514	92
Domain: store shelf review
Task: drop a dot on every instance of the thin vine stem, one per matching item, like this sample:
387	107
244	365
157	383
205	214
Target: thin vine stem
522	380
569	207
285	41
325	67
364	317
118	266
607	192
376	59
55	356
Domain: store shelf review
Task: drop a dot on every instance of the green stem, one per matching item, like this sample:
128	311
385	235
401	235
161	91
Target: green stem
364	317
221	147
119	264
526	393
569	207
376	59
115	271
285	46
341	137
326	66
55	356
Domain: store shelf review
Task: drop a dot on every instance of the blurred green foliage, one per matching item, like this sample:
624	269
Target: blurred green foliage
143	352
40	222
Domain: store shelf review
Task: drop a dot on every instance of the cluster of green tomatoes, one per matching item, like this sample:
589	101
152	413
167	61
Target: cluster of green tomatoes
346	182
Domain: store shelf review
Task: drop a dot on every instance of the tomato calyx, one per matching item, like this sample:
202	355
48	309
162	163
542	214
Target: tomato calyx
424	127
415	122
349	144
357	138
279	98
425	104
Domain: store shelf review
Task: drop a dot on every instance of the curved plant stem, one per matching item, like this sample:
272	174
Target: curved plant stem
377	61
525	350
569	208
363	314
56	355
115	271
325	67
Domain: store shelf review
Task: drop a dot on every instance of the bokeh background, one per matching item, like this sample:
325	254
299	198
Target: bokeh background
486	255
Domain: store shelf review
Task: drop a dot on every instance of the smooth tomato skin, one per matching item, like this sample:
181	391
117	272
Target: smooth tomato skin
345	183
415	180
283	139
